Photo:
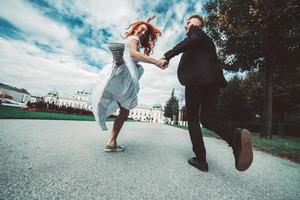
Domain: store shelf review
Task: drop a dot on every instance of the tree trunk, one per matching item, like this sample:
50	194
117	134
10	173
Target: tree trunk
268	102
175	118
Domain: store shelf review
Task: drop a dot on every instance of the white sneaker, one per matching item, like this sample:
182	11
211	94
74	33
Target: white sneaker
116	148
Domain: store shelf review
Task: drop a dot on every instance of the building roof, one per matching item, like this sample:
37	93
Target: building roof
83	92
53	93
22	90
157	105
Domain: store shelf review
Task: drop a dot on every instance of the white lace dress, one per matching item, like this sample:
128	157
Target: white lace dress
117	85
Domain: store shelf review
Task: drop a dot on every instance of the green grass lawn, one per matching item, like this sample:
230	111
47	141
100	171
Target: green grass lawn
284	147
16	113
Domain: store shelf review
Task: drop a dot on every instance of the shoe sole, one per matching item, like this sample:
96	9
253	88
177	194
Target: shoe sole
246	154
195	165
109	150
113	150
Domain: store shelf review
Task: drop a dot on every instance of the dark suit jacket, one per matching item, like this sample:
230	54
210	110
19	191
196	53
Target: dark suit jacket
199	63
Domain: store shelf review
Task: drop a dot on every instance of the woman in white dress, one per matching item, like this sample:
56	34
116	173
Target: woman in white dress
119	85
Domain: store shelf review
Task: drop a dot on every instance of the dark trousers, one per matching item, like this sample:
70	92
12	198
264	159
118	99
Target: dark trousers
201	104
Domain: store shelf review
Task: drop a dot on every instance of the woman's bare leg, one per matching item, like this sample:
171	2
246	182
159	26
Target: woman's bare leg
118	123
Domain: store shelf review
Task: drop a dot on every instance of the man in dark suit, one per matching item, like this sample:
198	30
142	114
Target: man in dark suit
202	76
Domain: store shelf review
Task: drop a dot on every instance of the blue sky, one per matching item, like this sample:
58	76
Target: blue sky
63	44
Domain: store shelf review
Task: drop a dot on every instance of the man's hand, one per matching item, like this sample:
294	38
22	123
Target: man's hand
163	63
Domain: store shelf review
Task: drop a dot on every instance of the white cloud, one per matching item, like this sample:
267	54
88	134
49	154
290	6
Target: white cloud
180	10
198	7
99	55
39	27
113	14
26	66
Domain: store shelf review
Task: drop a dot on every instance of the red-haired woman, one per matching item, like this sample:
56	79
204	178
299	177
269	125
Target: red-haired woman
120	82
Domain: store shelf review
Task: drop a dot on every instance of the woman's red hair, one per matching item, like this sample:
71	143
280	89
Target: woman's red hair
150	37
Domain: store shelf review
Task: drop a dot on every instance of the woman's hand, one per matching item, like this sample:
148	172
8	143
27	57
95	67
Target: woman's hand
162	63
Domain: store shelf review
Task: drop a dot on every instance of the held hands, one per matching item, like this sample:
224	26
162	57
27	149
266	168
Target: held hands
162	63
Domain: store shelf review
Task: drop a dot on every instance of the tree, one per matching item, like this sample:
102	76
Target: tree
253	88
233	106
172	107
284	99
256	34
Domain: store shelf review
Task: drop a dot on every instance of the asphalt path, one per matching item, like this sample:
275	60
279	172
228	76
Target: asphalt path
48	159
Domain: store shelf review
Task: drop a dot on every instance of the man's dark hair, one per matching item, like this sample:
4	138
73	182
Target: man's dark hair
200	18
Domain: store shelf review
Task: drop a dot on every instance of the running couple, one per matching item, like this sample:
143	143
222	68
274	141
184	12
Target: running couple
198	71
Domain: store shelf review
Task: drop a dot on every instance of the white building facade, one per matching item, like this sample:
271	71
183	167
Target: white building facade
153	114
79	100
145	114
